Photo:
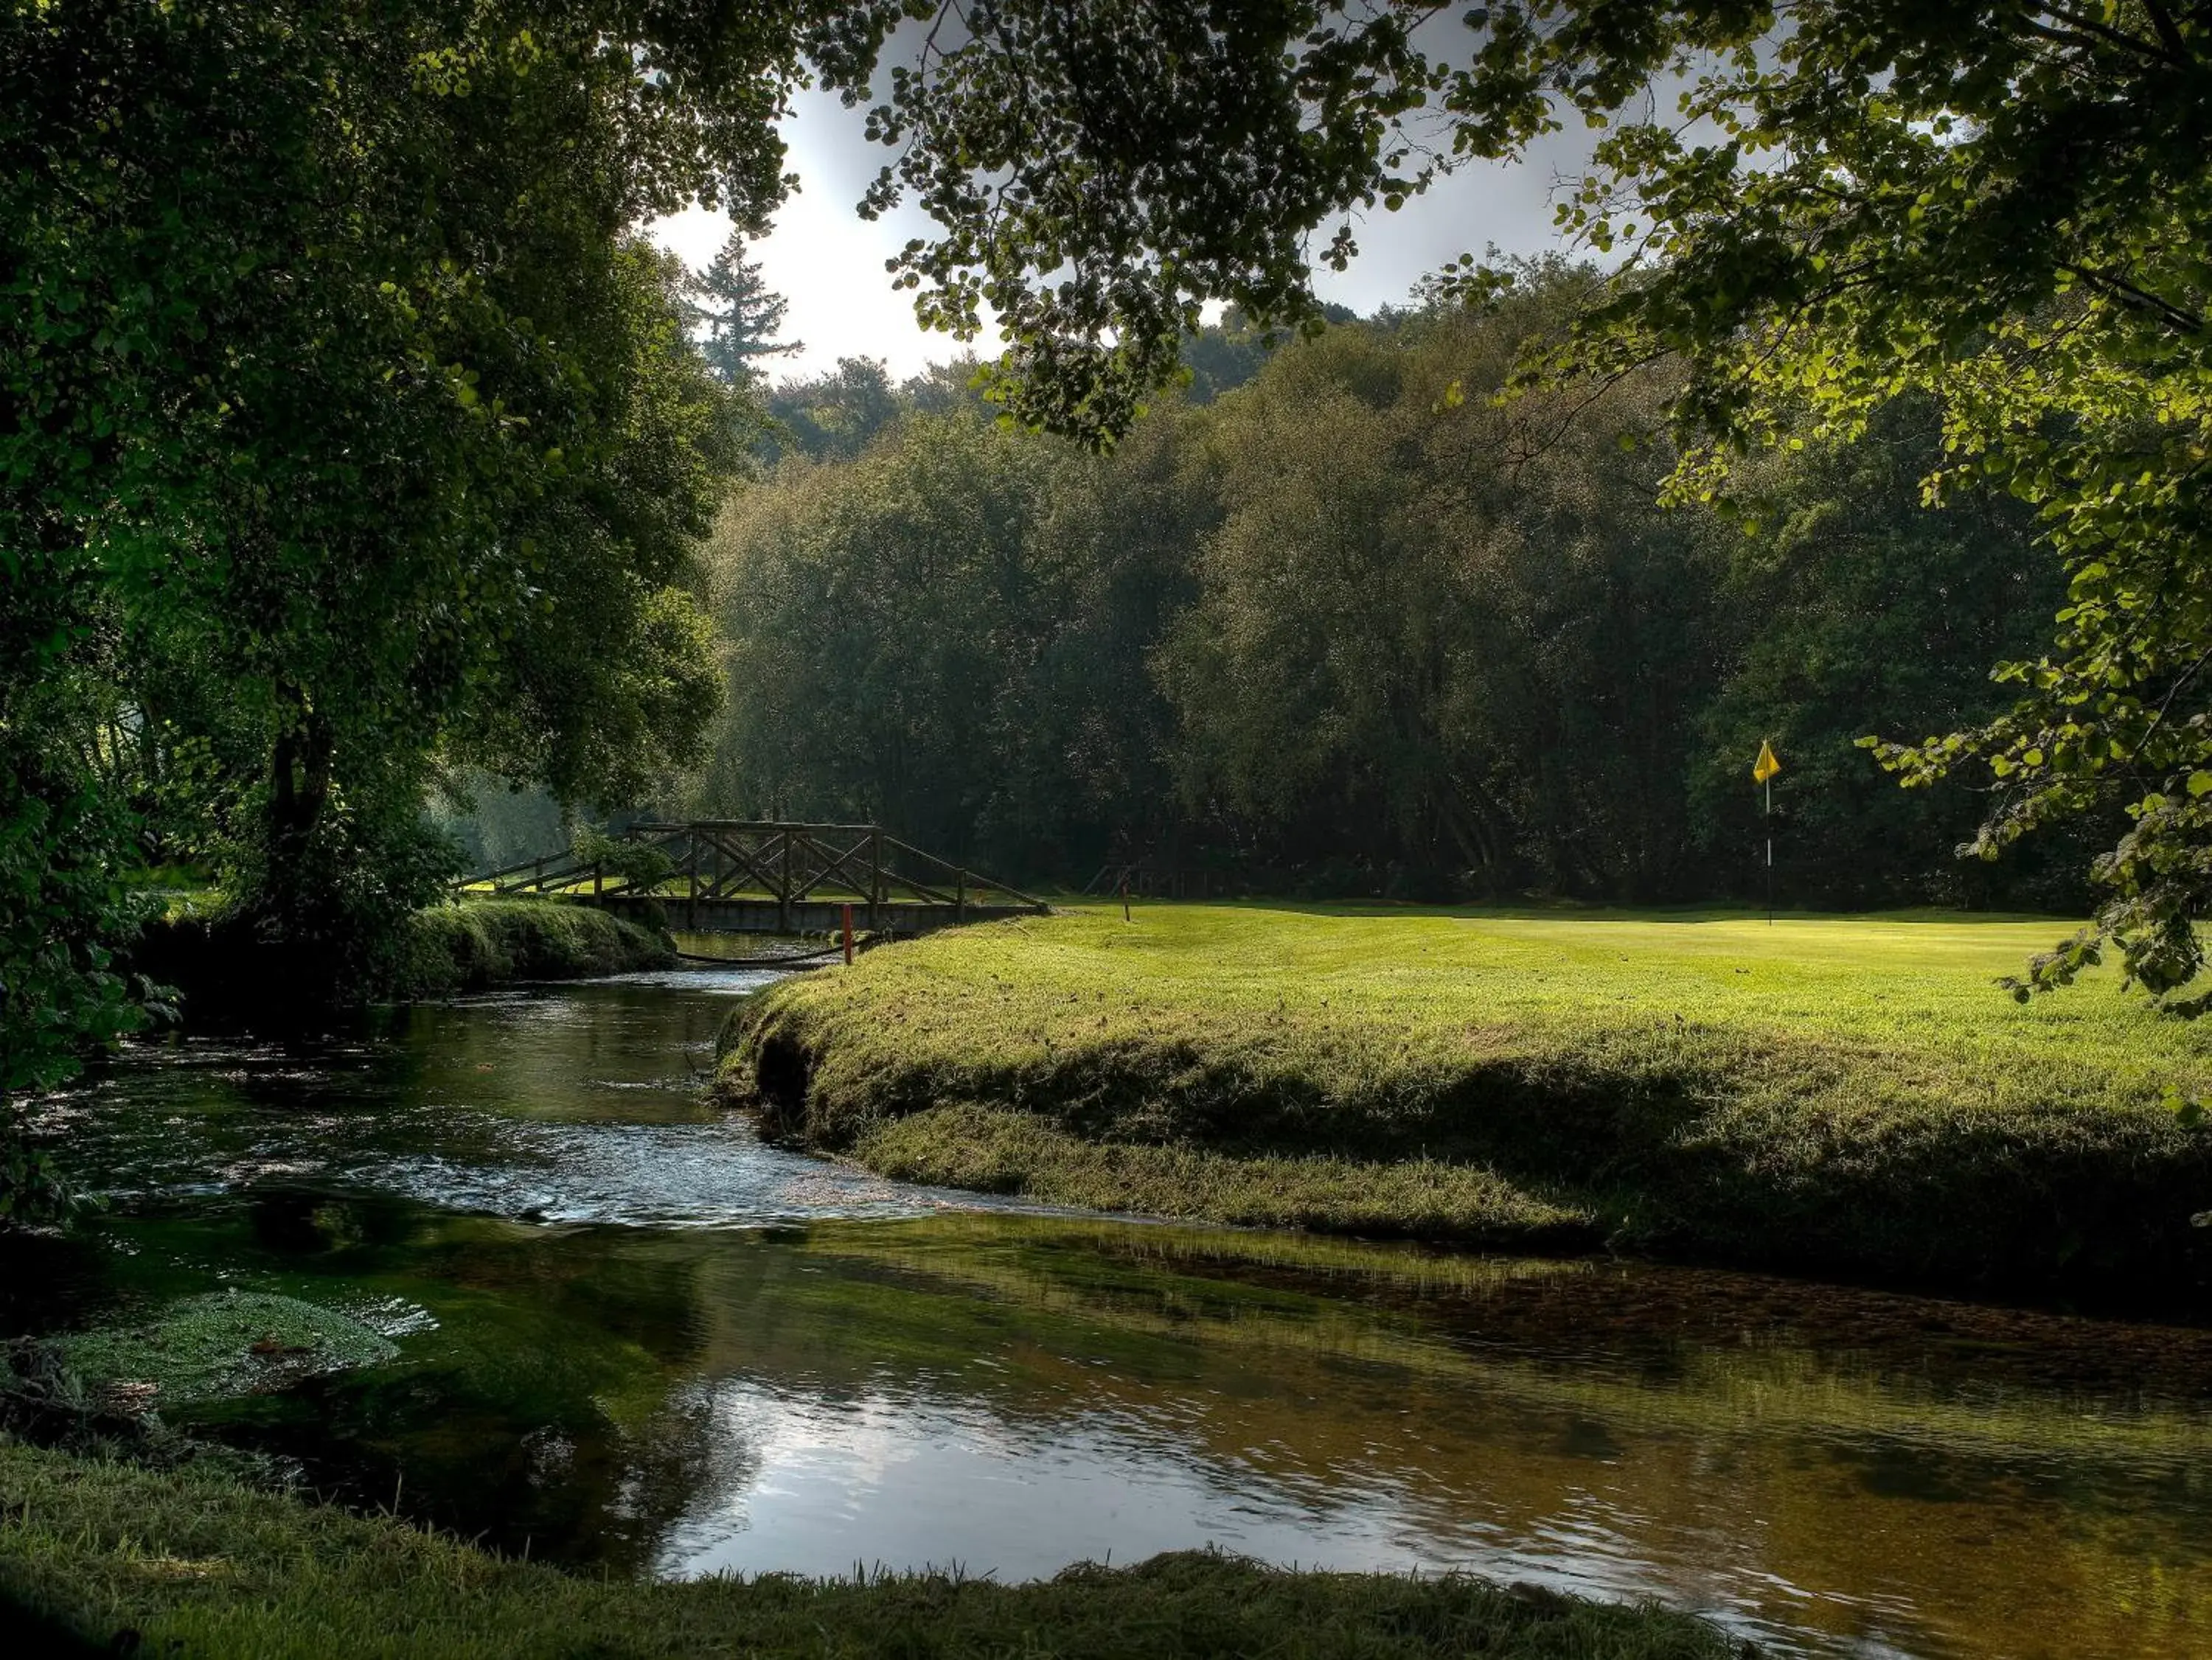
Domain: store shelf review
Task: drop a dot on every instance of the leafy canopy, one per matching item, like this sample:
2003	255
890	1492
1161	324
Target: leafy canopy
1440	664
346	433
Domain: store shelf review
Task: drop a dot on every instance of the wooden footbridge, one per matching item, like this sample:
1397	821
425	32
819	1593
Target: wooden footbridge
738	877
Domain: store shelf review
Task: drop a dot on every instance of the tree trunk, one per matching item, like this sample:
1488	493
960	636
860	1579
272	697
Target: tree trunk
299	779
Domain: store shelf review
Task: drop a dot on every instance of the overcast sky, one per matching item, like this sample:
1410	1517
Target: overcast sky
828	263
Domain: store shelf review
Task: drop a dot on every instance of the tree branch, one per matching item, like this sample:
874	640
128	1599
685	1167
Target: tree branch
2157	51
2187	321
2168	31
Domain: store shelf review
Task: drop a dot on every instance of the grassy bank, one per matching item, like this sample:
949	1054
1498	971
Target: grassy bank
199	1566
1841	1096
226	973
484	942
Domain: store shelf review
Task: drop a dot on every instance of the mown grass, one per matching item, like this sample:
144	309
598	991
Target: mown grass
193	1565
1841	1095
482	943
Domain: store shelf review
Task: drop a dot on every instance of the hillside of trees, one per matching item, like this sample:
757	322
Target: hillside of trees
1334	621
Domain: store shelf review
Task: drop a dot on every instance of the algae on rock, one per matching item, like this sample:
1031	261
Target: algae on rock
223	1344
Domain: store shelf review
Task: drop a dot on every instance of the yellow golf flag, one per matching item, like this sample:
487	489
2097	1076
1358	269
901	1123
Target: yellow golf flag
1766	766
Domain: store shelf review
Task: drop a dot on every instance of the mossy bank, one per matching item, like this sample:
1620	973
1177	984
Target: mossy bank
109	1558
224	972
1852	1097
478	943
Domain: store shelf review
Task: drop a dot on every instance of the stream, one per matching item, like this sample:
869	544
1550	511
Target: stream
634	1338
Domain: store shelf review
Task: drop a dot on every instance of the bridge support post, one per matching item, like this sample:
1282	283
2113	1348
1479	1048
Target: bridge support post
875	876
783	889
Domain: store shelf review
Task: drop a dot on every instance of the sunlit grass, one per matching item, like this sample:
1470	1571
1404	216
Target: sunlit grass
1848	1093
997	1151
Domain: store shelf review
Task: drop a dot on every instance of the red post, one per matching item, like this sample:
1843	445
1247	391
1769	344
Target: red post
847	910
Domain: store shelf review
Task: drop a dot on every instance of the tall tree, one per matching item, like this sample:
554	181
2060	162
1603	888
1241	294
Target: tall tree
1469	652
1996	206
886	620
735	315
1440	653
345	423
837	413
1857	606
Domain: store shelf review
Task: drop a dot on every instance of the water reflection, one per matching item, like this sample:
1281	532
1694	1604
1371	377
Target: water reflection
580	1105
595	1364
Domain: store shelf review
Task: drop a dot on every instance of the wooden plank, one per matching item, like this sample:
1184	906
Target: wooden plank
761	916
748	865
496	876
921	891
981	881
756	826
783	888
830	864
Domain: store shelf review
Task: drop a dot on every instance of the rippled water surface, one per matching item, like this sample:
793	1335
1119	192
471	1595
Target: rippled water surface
633	1336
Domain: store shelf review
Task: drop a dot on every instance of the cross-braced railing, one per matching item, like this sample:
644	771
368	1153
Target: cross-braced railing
754	864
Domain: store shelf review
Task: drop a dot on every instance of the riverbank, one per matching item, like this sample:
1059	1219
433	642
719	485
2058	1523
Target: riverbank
223	973
479	944
1846	1097
189	1563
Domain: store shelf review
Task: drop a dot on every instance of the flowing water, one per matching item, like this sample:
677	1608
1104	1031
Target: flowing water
631	1337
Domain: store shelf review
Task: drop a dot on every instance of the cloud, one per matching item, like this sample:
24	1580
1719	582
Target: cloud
829	263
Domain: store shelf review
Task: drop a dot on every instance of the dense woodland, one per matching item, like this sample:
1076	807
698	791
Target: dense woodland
1331	621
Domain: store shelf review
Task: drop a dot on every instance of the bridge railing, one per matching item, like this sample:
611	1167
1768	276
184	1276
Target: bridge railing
790	865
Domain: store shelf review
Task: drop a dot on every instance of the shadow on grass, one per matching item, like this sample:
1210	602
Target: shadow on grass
31	1636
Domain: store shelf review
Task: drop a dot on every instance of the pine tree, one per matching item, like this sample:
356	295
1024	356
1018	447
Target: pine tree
735	315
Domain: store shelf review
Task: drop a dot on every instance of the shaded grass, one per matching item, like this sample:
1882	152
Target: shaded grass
197	1565
1000	1152
225	971
484	942
1841	1095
